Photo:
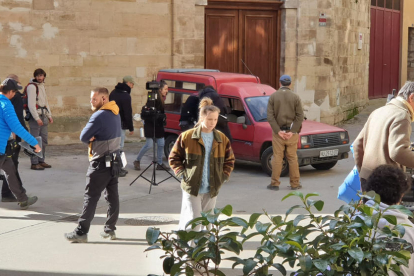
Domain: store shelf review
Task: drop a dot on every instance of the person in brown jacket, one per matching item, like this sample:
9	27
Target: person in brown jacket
385	138
202	157
285	116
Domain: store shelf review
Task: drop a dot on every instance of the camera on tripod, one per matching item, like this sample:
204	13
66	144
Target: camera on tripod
150	110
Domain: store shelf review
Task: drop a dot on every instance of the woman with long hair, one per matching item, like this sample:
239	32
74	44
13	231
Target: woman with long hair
202	157
154	120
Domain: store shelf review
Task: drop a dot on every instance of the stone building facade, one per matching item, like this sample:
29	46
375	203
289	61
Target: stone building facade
82	44
86	43
330	70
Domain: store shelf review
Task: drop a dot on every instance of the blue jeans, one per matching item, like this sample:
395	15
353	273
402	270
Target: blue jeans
123	133
148	145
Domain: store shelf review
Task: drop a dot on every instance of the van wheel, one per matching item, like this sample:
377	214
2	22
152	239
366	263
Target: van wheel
324	166
169	144
266	161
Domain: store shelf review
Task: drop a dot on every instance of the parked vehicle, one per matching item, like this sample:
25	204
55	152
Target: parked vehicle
320	145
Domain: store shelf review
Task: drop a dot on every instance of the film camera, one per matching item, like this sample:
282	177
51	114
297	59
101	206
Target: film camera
151	110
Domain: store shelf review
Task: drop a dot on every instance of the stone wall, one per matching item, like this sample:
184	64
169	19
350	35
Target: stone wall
330	72
86	43
410	55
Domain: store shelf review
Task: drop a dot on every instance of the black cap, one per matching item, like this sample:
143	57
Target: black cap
10	84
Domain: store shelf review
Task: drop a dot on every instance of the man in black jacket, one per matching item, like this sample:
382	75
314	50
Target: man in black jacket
121	95
6	194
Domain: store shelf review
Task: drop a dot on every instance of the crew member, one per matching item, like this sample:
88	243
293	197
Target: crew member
103	134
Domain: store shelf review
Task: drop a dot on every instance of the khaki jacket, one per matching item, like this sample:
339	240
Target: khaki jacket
285	109
187	160
385	139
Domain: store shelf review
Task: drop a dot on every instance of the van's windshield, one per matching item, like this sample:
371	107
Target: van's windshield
258	107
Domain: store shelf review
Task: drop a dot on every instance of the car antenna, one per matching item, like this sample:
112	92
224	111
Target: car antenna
249	70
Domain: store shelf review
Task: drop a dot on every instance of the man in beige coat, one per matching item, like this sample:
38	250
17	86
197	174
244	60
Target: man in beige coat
41	115
385	138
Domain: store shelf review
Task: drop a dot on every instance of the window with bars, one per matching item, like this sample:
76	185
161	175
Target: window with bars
387	4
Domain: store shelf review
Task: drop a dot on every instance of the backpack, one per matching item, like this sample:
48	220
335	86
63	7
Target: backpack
26	100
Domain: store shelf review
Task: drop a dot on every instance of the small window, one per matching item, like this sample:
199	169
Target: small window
373	2
397	5
173	102
234	108
388	4
380	3
185	85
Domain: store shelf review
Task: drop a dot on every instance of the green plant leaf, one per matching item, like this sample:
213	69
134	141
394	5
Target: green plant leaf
216	272
176	268
262	228
253	219
295	193
201	256
249	265
212	218
311	194
277	220
197	221
153	247
320	264
189	271
293	208
391	219
319	205
281	268
152	235
401	209
305	263
401	229
298	219
167	264
295	244
239	221
227	210
356	253
366	210
232	246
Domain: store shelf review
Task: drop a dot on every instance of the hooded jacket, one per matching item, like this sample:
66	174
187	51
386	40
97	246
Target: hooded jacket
41	99
10	123
408	236
385	139
105	126
122	96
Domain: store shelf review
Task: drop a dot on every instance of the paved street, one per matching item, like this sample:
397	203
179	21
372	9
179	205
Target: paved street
32	241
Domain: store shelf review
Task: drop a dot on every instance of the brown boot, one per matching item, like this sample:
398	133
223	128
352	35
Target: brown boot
137	165
45	165
37	167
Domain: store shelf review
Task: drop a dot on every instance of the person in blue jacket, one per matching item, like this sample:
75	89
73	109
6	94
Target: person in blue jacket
10	123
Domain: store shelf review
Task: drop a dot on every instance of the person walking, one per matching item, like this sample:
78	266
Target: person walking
17	102
203	158
285	116
9	123
122	97
103	135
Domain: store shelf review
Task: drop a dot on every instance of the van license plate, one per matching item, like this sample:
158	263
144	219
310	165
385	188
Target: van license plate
328	153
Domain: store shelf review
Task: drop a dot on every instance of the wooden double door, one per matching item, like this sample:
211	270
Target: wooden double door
248	34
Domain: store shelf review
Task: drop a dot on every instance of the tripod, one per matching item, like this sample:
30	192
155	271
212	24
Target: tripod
154	163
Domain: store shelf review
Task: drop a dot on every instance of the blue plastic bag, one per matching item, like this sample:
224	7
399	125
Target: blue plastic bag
348	191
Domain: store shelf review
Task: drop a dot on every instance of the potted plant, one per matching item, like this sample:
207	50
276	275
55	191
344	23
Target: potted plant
348	242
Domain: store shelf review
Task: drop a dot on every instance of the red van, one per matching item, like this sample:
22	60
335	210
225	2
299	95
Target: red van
320	145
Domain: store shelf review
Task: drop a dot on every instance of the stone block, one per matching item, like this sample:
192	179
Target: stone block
43	5
103	81
77	81
95	61
141	72
87	20
70	60
47	60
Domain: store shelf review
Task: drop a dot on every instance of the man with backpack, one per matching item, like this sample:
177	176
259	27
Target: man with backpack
36	104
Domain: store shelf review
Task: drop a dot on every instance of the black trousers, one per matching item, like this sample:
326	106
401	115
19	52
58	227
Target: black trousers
99	179
12	178
5	190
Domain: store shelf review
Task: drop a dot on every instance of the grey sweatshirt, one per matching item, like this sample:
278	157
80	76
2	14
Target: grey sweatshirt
42	100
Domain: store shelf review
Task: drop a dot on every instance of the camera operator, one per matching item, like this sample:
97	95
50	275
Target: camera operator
152	112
